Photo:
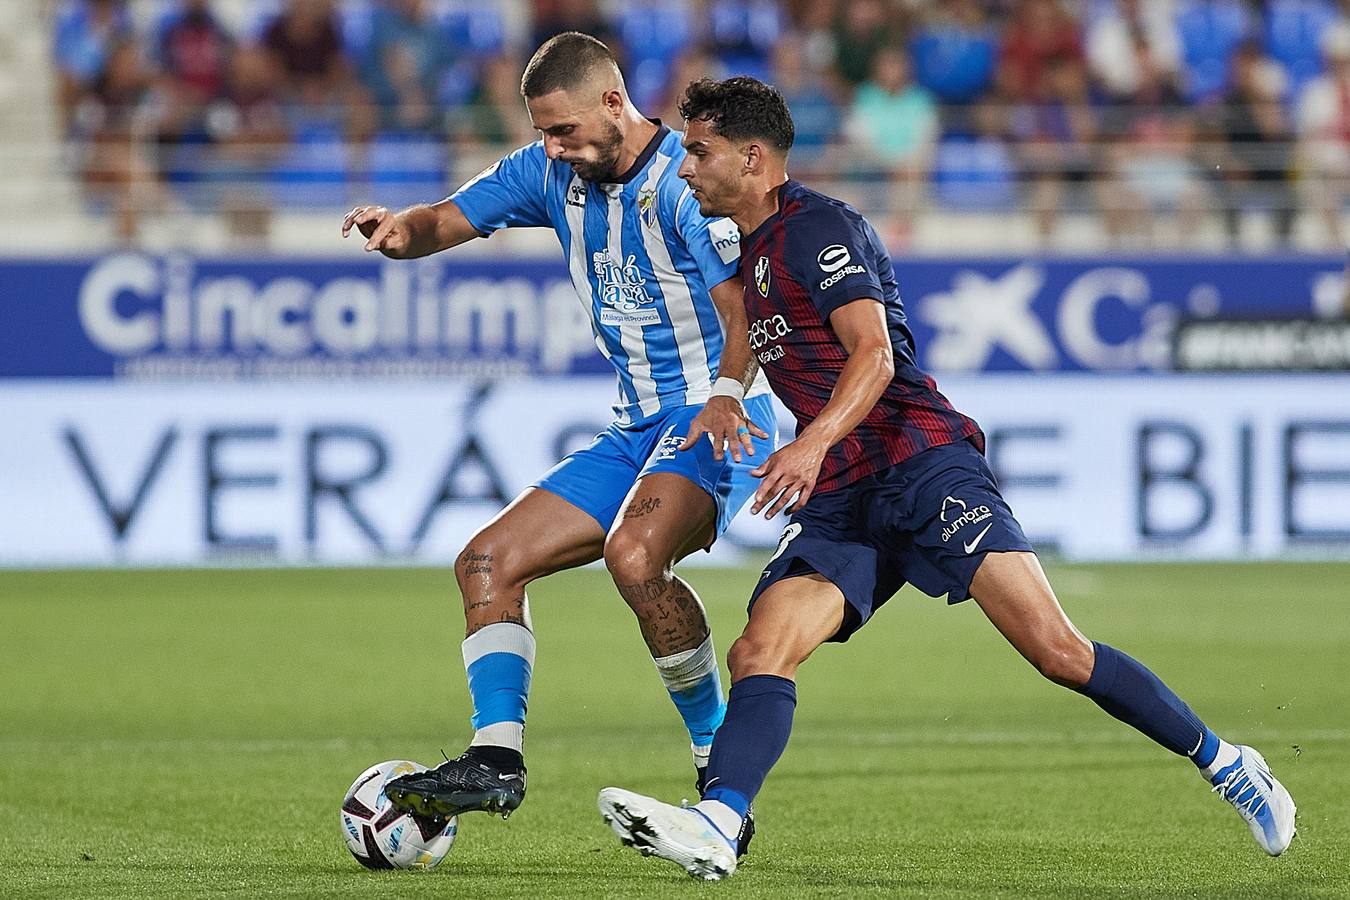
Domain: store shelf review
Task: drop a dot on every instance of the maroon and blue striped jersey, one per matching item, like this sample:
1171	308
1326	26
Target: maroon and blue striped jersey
811	257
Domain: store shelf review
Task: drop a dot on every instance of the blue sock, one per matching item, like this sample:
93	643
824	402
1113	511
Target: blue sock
499	659
1126	689
1209	748
695	686
756	730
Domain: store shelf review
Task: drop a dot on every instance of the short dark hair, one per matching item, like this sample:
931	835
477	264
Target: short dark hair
564	62
740	108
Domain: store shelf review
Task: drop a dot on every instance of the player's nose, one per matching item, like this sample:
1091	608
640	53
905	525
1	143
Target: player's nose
552	147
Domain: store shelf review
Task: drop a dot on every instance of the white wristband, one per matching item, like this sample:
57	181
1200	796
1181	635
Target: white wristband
727	387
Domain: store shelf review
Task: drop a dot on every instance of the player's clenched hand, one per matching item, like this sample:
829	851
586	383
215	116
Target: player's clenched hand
789	473
724	421
381	227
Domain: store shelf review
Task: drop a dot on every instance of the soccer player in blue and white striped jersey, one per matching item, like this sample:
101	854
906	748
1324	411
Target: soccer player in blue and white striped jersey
659	282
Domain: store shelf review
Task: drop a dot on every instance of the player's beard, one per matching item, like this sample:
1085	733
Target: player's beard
608	151
717	204
709	208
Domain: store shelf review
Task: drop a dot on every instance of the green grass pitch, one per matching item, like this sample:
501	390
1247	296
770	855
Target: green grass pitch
187	733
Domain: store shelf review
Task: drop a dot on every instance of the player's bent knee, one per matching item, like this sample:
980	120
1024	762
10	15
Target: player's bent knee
631	560
742	658
489	556
1068	663
750	656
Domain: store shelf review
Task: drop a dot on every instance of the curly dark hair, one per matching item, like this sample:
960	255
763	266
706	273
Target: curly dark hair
740	108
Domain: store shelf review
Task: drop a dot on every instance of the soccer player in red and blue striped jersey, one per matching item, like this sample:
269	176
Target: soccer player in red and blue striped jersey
886	483
811	259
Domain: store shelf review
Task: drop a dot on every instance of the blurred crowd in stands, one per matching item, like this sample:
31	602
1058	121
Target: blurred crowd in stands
1128	108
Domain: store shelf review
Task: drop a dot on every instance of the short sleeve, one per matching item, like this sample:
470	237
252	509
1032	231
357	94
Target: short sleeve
508	193
831	255
715	244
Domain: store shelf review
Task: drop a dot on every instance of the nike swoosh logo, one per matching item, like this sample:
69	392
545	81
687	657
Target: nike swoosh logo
979	537
508	777
710	784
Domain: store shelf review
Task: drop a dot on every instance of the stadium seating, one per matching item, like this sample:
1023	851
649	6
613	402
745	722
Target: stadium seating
350	145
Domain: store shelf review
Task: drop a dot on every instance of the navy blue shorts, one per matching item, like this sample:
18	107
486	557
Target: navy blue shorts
928	521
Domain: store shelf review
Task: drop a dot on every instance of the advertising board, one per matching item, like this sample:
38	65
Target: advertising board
1096	467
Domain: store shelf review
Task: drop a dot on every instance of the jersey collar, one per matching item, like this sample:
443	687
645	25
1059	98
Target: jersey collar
645	156
777	214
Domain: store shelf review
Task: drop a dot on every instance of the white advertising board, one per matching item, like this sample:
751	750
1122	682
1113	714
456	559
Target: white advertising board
1096	467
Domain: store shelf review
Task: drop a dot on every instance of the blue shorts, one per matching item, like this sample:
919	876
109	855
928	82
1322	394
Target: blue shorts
928	521
597	478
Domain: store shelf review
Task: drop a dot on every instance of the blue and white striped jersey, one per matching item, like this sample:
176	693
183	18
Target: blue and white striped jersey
641	258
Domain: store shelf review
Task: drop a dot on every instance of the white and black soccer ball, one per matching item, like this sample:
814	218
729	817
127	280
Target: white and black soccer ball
382	837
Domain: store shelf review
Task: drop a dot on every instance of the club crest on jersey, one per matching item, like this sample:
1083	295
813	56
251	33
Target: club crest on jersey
623	297
762	276
646	204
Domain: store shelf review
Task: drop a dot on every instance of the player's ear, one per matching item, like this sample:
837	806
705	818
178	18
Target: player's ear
752	157
613	101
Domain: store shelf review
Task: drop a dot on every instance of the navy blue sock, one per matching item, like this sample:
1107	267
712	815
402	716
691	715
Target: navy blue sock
1126	689
752	737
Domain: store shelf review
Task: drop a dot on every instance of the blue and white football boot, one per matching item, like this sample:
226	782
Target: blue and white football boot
682	835
1261	800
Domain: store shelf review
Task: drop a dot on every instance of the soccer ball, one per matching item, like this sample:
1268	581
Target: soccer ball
382	837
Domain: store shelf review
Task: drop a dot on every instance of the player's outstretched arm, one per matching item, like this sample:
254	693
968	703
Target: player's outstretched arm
723	417
792	471
414	232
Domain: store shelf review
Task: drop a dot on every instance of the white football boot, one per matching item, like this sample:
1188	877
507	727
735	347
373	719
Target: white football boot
682	835
1262	801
